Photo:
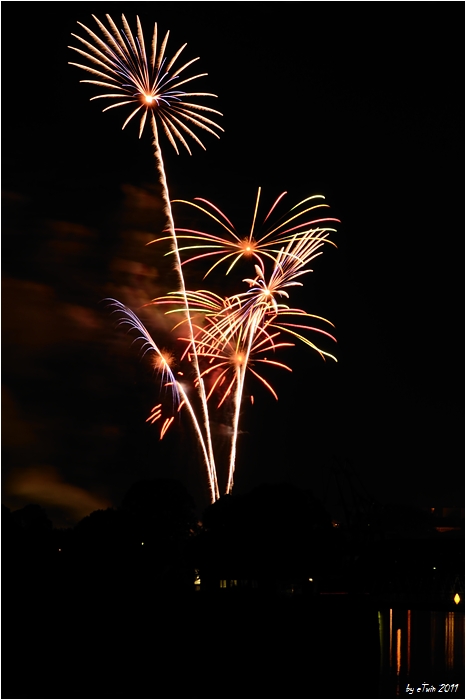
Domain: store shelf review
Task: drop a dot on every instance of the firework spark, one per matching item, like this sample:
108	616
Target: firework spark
296	223
232	358
162	361
261	305
232	334
119	63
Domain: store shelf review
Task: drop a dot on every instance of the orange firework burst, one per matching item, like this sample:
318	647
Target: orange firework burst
266	243
120	63
226	363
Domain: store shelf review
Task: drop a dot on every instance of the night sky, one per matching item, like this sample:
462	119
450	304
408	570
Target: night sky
361	102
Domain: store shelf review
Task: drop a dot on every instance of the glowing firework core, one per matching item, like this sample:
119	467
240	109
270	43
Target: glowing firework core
149	99
248	246
164	360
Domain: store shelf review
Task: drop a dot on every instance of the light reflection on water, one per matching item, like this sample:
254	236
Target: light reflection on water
420	646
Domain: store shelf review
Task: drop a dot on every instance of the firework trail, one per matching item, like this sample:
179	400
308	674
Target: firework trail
120	64
163	360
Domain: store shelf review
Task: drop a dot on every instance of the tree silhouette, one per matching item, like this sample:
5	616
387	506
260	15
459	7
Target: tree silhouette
162	509
277	532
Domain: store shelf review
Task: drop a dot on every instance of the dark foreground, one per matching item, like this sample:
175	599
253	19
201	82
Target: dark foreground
131	642
124	638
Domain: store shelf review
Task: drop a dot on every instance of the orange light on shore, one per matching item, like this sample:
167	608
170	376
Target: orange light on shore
457	598
398	651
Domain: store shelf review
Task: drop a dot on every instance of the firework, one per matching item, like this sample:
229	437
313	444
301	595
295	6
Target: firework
119	63
262	296
262	241
256	311
226	353
223	339
261	305
232	334
163	361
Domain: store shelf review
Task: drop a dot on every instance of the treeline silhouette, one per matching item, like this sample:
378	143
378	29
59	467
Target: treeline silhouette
275	533
273	538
